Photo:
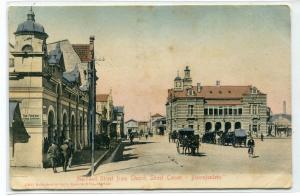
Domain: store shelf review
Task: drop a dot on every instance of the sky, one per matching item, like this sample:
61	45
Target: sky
145	46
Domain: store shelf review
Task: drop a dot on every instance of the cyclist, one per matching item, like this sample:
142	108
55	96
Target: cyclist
251	145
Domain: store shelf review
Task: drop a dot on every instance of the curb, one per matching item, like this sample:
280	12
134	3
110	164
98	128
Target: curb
102	158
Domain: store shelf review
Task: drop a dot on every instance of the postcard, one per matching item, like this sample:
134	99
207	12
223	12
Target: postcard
150	97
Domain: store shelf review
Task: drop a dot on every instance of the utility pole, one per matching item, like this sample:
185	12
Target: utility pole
92	101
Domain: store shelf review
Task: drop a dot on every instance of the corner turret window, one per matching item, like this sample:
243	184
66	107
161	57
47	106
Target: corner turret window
27	49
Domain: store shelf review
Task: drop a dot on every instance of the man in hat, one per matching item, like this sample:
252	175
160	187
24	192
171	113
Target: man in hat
65	152
52	155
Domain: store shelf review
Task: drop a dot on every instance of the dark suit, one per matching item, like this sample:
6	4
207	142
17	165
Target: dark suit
65	152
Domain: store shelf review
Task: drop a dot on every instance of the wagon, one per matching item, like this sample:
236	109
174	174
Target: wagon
187	141
237	138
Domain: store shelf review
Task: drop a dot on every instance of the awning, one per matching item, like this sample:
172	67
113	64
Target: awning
16	125
240	132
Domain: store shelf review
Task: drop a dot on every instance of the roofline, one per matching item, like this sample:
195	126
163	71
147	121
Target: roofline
58	41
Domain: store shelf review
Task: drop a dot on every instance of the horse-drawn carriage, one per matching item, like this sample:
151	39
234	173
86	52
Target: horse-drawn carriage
173	136
209	137
187	141
237	137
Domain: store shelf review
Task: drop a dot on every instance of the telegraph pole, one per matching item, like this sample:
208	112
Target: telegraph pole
92	101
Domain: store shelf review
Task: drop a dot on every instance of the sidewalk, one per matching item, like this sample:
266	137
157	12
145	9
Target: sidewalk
41	178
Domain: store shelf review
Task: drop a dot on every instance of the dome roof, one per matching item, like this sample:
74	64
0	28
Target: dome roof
30	26
177	78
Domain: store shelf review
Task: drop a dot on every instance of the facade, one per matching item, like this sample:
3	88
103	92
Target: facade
104	113
131	126
119	120
210	108
143	127
153	118
159	126
50	83
280	125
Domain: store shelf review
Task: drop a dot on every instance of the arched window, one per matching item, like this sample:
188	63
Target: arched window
27	48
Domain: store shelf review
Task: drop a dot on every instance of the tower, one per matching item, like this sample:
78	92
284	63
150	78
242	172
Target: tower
30	45
178	86
187	80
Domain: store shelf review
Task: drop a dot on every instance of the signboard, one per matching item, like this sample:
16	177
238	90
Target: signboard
31	119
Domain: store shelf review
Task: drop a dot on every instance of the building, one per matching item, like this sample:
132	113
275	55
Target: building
209	108
153	118
131	126
104	113
119	120
280	124
159	126
49	81
143	127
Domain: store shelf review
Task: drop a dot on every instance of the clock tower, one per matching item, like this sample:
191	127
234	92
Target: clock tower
30	50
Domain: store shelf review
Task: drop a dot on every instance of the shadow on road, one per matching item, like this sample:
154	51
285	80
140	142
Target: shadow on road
127	168
127	157
199	154
137	143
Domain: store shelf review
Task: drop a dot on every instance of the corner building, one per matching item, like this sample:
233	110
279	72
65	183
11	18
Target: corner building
50	82
215	108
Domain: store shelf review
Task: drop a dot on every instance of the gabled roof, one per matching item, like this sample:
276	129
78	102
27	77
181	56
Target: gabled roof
131	120
83	51
102	97
72	76
55	56
157	115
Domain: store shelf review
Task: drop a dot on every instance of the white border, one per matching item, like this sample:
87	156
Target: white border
4	148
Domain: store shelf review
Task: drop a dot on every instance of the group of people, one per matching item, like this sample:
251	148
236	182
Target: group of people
61	155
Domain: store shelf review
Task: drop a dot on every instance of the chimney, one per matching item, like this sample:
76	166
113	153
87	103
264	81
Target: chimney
284	107
218	83
199	87
92	39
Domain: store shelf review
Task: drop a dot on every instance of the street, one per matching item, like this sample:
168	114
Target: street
155	163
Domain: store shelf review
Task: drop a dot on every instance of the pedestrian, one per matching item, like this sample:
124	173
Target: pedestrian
146	135
262	137
65	155
70	152
52	156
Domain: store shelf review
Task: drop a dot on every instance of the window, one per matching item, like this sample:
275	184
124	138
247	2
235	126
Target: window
215	111
190	110
225	111
254	109
254	128
234	111
27	48
220	111
240	111
230	111
210	111
205	111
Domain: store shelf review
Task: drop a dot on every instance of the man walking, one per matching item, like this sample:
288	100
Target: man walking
65	152
52	155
